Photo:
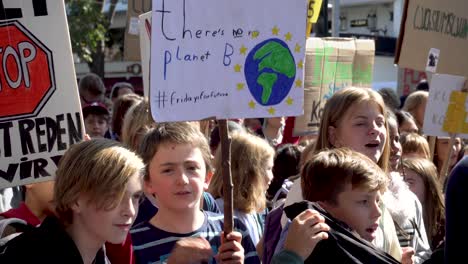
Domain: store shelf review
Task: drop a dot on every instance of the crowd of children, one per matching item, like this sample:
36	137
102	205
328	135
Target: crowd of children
366	189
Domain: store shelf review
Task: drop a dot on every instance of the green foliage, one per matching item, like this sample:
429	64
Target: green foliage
88	27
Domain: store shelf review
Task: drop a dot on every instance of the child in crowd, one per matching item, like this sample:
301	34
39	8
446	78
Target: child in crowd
119	89
96	119
403	205
91	89
355	118
406	122
251	169
414	145
178	160
415	104
96	193
346	187
37	205
137	122
121	107
441	152
421	176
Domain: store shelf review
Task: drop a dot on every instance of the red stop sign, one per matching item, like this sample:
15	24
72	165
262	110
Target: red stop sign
27	77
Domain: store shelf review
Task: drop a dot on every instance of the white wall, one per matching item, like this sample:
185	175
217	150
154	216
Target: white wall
385	73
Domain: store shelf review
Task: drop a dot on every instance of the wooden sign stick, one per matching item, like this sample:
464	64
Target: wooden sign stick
225	142
444	170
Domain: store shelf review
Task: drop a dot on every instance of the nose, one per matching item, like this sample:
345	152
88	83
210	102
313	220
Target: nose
376	211
182	178
373	129
129	207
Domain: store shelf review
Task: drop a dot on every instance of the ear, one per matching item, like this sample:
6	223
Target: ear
332	136
77	205
208	177
148	187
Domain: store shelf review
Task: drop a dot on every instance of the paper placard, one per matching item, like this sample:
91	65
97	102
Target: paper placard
441	25
446	107
227	59
132	32
145	49
40	114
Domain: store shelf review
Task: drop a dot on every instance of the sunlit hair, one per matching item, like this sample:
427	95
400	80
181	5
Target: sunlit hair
415	143
121	107
180	133
136	124
249	157
433	205
99	170
414	100
337	106
326	174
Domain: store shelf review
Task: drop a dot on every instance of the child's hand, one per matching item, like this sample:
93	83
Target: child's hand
305	231
407	256
195	249
231	250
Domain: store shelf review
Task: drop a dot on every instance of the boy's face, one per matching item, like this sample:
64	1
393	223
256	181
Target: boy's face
359	209
177	176
96	125
109	225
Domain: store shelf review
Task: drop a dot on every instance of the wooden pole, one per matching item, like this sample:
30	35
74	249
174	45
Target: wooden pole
444	170
225	141
432	142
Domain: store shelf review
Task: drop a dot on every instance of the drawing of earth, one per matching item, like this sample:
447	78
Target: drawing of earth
270	71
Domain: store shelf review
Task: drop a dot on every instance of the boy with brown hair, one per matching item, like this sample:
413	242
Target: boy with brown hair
96	193
178	158
345	188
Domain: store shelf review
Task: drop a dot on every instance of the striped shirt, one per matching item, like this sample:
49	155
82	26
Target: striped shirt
153	245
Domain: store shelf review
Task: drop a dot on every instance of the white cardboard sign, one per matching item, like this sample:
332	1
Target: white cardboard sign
40	114
227	59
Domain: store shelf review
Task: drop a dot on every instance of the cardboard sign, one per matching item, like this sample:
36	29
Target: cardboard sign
332	64
447	107
408	79
145	48
40	115
438	25
133	28
227	59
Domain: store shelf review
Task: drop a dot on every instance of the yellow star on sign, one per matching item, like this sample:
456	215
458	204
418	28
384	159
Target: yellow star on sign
240	86
275	31
300	64
299	83
288	36
252	104
297	48
289	101
271	111
242	50
237	68
255	34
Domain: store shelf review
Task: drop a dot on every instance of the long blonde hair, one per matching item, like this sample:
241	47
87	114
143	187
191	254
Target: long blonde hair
137	122
249	155
335	109
433	204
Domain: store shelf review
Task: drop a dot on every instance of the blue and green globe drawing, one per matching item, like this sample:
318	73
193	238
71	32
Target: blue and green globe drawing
270	71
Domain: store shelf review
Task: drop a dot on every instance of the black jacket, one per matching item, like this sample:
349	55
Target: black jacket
342	246
48	243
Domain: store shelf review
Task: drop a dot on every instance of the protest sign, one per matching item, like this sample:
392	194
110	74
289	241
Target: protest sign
227	59
408	79
332	64
447	107
434	36
133	28
40	114
145	49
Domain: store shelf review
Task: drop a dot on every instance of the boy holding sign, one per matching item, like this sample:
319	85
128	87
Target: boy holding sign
178	161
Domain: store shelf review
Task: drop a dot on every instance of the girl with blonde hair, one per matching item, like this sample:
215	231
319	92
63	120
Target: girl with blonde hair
421	176
137	122
415	104
251	168
415	145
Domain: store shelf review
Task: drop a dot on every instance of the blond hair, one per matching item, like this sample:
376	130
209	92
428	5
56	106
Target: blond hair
99	169
180	133
249	155
414	100
326	174
433	205
136	124
337	106
415	143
